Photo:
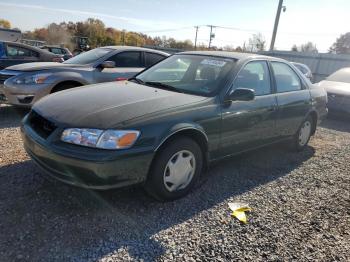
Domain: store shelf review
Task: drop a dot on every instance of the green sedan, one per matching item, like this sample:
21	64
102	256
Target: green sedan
163	127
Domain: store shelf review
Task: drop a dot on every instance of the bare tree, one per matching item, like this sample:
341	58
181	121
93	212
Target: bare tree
257	43
309	47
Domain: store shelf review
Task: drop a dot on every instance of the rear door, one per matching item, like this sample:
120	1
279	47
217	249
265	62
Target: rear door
18	55
248	124
293	99
127	64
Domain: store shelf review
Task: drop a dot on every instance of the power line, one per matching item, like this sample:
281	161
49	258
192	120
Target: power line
167	30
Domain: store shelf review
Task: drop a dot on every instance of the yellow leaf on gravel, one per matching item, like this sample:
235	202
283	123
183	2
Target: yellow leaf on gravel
238	211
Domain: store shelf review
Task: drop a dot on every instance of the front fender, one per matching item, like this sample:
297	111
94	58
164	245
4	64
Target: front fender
175	129
70	76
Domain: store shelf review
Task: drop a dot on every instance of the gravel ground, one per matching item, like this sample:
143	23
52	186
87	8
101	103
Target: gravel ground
300	202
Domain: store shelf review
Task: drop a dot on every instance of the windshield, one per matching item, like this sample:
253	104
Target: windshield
88	57
194	74
342	75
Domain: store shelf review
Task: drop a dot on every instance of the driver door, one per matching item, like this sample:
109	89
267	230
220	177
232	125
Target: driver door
249	124
127	64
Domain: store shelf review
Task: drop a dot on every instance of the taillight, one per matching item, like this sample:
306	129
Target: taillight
58	59
121	79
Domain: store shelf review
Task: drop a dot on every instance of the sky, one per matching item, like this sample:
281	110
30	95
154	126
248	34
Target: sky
319	21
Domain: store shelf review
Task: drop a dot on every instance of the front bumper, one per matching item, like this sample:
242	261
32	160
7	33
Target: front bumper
89	171
24	95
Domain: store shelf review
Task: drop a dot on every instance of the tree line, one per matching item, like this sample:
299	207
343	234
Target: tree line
100	35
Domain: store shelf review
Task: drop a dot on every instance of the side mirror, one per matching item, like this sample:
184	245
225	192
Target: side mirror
241	94
107	64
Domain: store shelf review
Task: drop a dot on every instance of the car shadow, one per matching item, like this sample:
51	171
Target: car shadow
337	122
10	116
47	220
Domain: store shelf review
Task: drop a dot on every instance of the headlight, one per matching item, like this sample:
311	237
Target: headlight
106	139
33	79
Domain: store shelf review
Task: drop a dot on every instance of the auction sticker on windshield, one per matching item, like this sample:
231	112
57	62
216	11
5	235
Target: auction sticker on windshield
213	62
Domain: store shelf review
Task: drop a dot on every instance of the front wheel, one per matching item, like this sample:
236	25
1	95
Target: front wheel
175	169
302	137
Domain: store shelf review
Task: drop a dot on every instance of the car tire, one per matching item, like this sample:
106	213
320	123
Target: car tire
303	135
175	169
62	87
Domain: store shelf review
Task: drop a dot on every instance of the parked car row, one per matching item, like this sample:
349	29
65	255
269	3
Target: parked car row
24	84
166	124
63	51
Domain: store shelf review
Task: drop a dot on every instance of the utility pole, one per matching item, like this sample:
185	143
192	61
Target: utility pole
123	35
195	40
277	19
211	36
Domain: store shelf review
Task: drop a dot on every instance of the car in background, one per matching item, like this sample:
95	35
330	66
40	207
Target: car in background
305	70
162	127
13	53
58	51
337	86
25	84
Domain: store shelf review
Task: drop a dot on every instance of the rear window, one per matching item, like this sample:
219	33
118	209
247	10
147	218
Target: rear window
57	51
152	58
342	75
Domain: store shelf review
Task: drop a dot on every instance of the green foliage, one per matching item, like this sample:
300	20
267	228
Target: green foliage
341	45
5	24
99	35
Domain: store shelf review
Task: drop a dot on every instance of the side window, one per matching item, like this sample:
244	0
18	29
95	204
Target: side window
255	75
127	59
152	58
16	51
286	79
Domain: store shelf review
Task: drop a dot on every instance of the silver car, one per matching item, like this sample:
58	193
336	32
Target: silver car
23	85
337	86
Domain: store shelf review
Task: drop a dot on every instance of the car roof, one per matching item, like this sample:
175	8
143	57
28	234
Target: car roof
300	64
54	46
234	55
135	48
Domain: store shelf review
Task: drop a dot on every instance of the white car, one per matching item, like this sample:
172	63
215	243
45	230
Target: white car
337	86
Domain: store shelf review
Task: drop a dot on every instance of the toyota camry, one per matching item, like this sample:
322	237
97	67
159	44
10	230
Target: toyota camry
163	127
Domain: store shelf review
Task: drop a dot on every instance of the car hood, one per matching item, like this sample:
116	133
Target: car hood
109	105
340	88
41	66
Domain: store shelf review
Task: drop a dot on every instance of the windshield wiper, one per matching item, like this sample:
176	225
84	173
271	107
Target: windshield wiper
163	86
137	80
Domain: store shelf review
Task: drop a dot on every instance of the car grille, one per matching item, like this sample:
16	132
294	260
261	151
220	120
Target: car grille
4	77
41	125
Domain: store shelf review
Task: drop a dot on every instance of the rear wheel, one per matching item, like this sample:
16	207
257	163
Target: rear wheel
175	169
302	137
